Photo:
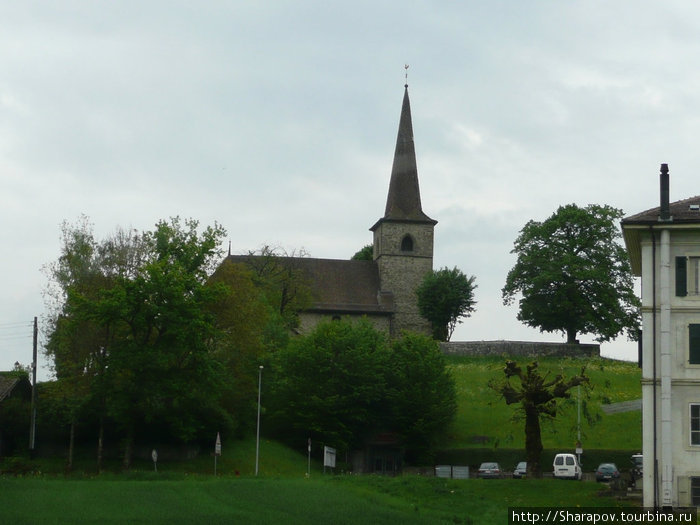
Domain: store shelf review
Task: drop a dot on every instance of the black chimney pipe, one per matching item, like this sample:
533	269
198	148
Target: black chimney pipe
664	212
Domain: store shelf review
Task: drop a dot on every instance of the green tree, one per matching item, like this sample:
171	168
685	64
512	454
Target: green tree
329	384
243	319
537	397
344	382
421	394
445	297
136	321
573	275
365	254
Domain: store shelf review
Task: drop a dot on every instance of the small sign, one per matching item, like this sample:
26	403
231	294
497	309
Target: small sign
579	450
154	456
217	446
309	442
328	457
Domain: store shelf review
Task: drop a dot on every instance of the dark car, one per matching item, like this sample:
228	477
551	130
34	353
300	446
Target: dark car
521	470
607	472
489	470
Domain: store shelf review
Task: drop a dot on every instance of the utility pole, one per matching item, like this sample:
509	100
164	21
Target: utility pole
32	424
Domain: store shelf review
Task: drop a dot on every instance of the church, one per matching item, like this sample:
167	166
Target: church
382	290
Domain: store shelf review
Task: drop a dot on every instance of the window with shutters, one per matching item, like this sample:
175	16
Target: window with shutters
688	276
694	344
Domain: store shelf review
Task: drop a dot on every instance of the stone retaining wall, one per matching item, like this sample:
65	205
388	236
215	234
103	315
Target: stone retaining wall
519	348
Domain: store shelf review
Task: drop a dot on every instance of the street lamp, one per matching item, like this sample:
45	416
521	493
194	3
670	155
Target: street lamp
257	439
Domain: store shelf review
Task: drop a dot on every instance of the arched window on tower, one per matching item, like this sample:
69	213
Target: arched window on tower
407	243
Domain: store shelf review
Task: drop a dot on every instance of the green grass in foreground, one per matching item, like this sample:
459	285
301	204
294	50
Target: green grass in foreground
321	499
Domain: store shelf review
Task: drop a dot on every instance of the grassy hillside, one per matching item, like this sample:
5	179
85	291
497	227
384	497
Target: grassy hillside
484	420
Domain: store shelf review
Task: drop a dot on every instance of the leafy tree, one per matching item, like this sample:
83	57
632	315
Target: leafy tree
537	396
243	319
421	398
329	384
445	297
573	275
344	382
135	321
365	254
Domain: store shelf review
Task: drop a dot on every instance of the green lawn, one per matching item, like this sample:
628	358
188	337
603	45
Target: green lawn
321	499
484	420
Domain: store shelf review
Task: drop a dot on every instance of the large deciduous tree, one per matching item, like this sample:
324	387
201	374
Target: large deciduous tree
345	382
445	297
537	397
573	275
134	325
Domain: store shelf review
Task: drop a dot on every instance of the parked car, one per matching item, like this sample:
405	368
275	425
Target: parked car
520	470
637	466
489	469
566	466
607	472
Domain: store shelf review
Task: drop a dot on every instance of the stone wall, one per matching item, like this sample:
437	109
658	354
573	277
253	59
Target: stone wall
519	349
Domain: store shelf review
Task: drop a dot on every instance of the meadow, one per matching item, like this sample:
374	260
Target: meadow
35	492
484	420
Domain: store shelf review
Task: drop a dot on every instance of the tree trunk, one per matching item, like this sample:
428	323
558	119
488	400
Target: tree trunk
128	447
71	446
571	336
533	441
100	445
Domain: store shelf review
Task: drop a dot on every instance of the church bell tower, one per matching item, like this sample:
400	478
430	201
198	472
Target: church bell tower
403	238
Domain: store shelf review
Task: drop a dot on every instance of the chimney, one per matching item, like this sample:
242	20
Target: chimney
664	211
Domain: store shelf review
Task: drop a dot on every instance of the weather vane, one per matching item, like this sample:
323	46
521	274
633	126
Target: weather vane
406	74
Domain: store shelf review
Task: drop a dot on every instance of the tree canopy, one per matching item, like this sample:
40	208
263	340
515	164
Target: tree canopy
364	254
445	297
345	382
573	275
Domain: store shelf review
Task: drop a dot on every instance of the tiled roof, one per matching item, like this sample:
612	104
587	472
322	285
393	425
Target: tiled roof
683	211
9	381
336	285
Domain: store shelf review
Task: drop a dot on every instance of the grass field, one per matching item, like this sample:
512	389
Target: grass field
187	492
484	420
323	499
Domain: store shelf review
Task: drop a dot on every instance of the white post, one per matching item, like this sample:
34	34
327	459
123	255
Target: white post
257	439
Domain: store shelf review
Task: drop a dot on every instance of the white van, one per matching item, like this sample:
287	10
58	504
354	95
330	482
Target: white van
566	466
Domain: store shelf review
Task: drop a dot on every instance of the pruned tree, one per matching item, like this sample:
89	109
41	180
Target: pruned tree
574	275
537	396
445	297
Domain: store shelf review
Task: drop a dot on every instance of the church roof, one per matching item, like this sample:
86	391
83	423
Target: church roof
342	286
403	200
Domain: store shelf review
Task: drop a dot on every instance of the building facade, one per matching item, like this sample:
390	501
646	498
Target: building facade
664	248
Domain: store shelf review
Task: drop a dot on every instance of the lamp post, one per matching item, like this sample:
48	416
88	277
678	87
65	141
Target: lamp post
257	439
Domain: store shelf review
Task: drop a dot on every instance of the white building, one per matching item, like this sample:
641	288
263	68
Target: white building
664	249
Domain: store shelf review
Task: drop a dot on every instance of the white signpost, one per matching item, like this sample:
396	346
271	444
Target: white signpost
154	457
217	450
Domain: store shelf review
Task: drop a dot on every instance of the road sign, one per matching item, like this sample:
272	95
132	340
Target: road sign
217	446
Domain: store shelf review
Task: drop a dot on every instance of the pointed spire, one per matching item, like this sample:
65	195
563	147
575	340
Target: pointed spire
403	201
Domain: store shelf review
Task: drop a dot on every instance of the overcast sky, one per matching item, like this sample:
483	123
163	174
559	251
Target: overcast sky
278	120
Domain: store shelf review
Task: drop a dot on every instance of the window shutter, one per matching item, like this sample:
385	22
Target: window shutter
681	277
694	344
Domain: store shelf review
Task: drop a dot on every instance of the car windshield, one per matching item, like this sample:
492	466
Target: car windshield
488	466
522	465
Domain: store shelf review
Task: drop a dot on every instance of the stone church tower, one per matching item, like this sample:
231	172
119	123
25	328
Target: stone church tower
403	238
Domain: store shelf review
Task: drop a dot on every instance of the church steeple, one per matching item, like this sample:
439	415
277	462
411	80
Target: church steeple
403	200
403	238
